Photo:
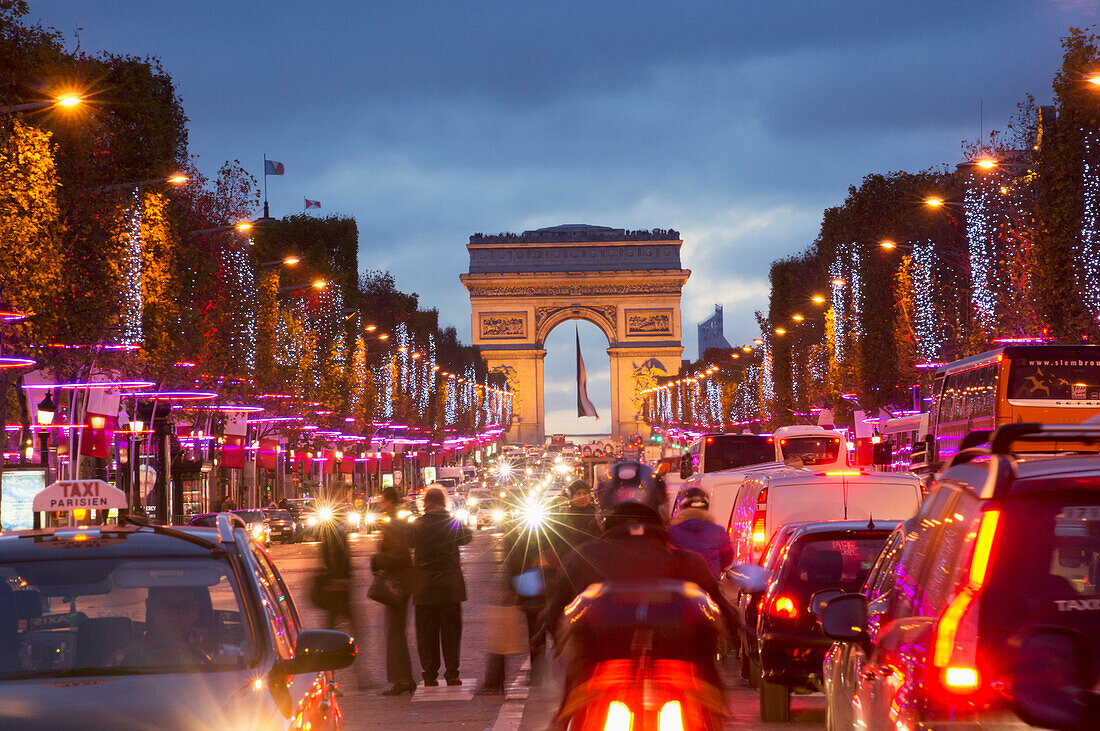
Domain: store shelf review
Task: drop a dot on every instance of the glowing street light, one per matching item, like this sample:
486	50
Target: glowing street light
65	101
838	282
934	201
1093	79
797	317
817	299
888	244
780	331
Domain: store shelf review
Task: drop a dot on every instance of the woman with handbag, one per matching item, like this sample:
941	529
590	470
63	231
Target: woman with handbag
331	590
395	579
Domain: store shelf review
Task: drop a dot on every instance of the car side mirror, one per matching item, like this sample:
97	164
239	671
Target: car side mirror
1052	677
685	466
820	598
752	578
844	618
318	650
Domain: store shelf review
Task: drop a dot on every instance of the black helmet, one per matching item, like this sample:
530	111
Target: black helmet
631	490
695	497
576	486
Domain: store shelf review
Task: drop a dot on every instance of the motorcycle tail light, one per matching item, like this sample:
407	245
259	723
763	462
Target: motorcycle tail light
671	717
619	717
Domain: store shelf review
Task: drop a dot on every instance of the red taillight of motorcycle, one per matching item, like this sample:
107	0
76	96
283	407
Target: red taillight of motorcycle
784	607
955	646
619	717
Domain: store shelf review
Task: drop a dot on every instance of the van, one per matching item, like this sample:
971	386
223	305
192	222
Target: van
811	446
771	498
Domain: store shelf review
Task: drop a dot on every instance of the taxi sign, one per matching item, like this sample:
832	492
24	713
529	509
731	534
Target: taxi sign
79	495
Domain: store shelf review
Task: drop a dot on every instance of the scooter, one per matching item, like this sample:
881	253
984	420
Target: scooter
641	655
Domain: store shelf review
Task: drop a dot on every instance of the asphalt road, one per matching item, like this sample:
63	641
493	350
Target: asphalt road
443	707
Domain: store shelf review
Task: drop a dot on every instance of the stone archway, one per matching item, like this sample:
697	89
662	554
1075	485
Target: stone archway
627	283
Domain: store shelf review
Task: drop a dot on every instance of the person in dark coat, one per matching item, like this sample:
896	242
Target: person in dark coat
574	524
693	528
394	556
442	589
334	590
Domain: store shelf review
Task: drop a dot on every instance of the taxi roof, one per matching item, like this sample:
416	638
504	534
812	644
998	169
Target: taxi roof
108	541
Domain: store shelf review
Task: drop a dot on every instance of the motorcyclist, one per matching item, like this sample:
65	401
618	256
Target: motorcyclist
634	545
693	528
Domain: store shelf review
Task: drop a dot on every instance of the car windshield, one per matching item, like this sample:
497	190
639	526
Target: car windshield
278	515
811	450
726	451
250	516
70	617
830	562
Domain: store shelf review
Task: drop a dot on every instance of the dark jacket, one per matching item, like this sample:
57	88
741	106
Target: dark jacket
572	527
629	553
694	529
394	554
436	539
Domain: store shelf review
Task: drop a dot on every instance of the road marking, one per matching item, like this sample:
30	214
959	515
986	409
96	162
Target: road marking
509	717
444	692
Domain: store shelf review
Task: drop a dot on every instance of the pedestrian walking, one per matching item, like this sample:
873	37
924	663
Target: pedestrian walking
693	528
394	558
332	589
229	503
439	598
522	600
576	523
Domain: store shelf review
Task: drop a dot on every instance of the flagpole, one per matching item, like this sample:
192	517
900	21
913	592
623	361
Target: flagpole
265	186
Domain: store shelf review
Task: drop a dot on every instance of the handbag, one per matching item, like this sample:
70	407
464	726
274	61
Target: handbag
509	635
386	589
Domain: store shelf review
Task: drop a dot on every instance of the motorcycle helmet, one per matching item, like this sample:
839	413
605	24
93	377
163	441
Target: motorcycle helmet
695	497
630	492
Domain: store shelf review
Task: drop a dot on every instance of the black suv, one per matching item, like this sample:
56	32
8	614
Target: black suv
142	626
1004	544
787	650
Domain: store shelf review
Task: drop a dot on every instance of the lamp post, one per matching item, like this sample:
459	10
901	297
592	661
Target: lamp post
65	101
46	410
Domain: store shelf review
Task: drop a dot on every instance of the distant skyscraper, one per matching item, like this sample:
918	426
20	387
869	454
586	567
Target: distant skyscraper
710	332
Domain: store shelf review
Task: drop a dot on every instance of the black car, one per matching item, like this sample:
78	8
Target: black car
281	526
788	647
142	626
1005	545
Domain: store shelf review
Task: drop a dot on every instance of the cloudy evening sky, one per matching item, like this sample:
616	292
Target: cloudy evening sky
736	123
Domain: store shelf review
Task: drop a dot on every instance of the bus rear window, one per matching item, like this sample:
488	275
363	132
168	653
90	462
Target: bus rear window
726	451
1065	379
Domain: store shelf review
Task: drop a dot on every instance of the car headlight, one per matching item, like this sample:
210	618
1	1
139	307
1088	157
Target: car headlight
371	517
354	518
257	531
462	514
404	514
498	516
325	514
474	501
312	521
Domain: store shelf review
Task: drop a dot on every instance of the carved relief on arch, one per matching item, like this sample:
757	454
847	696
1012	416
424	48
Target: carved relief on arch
603	315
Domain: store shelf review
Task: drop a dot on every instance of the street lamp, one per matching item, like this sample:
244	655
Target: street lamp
65	101
817	299
315	284
286	261
173	179
46	410
241	227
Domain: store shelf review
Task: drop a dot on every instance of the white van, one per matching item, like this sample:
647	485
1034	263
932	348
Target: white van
771	498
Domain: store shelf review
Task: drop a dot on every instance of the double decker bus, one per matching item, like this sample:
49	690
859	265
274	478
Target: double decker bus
1049	384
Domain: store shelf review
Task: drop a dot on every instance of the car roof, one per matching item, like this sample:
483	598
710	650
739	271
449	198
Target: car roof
106	542
837	526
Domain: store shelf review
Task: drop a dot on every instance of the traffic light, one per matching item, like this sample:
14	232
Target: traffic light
657	438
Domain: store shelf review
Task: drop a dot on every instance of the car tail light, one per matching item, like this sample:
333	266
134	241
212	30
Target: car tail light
619	717
955	649
759	518
784	607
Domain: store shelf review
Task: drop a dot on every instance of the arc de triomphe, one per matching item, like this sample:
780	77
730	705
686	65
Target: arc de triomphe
627	283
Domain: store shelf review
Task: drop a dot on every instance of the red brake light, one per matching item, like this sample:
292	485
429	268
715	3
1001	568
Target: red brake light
762	497
782	442
771	440
784	607
710	440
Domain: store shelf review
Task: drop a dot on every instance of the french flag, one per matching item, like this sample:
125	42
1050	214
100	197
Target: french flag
271	167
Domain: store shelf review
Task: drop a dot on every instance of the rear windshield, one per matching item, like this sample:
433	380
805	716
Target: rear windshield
831	562
250	516
727	451
1046	562
811	450
1066	379
278	515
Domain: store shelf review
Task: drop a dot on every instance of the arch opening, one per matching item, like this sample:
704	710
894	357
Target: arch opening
560	378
